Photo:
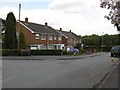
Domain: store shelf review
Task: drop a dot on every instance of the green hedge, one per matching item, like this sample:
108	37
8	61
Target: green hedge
10	52
16	52
46	52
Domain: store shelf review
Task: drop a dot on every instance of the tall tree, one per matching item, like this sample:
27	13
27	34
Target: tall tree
10	40
22	41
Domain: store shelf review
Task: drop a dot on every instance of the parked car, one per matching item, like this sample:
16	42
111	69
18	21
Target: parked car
74	50
115	51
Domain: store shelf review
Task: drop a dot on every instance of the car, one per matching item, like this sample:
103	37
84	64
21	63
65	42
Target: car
115	51
73	50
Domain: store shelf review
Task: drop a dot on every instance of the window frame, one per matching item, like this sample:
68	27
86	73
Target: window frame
60	38
43	36
37	36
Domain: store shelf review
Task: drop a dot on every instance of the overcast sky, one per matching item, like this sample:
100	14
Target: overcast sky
83	17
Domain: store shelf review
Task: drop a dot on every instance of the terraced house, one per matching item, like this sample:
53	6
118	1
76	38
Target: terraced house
39	36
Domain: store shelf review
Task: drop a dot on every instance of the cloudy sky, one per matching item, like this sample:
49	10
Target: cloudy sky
83	17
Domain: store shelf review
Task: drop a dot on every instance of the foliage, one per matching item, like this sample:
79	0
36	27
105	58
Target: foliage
95	42
22	41
46	52
10	40
10	52
114	14
78	46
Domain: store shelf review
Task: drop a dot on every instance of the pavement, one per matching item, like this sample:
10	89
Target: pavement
48	57
112	79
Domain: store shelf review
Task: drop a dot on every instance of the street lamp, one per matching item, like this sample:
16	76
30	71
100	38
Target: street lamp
102	41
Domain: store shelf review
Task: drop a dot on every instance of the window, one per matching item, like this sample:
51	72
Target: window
59	38
55	37
17	34
37	36
43	37
50	37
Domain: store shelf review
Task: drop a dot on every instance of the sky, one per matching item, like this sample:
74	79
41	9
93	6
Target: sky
83	17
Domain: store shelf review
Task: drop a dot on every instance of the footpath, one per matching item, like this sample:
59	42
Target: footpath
49	57
112	79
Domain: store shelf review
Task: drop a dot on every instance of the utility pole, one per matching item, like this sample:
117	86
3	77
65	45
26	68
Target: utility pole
102	41
19	28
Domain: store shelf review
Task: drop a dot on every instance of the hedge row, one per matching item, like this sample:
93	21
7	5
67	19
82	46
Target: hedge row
46	52
10	52
16	52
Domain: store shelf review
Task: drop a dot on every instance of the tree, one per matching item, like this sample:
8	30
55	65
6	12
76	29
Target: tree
22	41
10	40
114	14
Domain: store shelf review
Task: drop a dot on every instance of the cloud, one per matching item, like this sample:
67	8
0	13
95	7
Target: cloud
83	17
25	1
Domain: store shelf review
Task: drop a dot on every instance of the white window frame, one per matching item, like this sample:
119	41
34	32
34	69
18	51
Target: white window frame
43	37
59	38
37	36
55	37
50	37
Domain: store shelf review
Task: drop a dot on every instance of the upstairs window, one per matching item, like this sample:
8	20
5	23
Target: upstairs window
37	36
50	37
55	37
43	37
59	37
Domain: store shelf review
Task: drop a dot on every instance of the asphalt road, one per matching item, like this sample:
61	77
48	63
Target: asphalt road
56	71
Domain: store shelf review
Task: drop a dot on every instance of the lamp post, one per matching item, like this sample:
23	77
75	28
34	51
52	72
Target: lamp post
102	41
19	28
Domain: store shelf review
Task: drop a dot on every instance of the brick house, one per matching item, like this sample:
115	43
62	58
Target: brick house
39	36
70	39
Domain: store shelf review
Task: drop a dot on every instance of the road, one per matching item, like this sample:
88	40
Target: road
56	71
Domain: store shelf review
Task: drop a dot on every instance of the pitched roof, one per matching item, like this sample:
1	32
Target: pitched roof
69	35
42	29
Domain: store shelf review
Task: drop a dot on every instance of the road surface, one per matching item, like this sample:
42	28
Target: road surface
56	71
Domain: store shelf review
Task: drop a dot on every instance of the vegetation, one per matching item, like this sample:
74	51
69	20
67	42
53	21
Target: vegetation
46	52
95	42
22	41
10	52
10	39
114	14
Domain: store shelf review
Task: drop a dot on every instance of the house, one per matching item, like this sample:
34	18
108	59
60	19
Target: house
39	36
70	39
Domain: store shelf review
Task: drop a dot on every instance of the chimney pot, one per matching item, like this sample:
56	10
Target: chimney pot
60	29
46	24
26	20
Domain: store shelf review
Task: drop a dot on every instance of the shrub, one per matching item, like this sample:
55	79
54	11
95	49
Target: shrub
10	52
46	52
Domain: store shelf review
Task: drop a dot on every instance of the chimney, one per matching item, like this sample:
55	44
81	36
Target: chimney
60	29
70	31
26	20
46	24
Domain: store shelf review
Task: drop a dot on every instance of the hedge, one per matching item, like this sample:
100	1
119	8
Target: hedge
16	52
10	52
46	52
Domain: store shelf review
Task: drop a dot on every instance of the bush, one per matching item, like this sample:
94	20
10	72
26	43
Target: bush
46	52
10	52
65	52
